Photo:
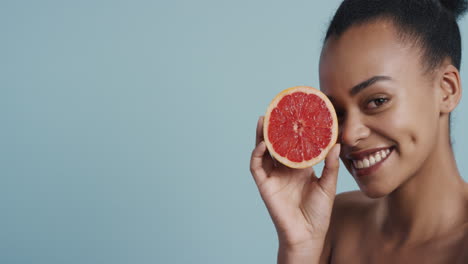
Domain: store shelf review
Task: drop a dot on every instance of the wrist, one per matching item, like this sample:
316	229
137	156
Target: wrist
299	255
308	252
306	246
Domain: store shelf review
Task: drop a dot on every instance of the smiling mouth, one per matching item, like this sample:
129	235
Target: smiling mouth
371	160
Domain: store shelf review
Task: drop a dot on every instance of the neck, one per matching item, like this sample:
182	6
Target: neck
430	204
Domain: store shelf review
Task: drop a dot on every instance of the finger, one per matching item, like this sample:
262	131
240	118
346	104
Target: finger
256	163
330	172
274	161
259	136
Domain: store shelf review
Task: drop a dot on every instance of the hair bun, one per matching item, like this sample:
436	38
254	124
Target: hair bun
456	7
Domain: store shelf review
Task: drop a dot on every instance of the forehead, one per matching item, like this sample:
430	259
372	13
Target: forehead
364	51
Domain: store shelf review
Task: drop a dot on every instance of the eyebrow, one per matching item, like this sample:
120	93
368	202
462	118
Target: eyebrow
356	89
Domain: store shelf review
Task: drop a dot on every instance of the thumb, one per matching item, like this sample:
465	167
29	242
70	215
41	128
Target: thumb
330	172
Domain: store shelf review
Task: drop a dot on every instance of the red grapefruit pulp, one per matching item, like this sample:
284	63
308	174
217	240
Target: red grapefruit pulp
300	127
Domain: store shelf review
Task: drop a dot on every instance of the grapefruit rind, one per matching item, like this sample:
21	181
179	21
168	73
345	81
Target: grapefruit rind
334	128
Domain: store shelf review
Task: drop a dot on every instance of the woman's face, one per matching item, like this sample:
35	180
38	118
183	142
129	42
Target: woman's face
386	106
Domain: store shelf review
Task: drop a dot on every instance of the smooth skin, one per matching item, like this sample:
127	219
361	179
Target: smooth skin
414	207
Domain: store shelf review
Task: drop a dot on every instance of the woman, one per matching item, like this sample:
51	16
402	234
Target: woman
391	69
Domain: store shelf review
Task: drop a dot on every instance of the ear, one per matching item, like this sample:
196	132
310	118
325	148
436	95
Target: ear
450	89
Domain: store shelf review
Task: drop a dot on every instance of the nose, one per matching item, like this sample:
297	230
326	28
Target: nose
352	130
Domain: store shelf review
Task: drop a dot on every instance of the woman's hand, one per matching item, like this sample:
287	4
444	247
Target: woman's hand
299	203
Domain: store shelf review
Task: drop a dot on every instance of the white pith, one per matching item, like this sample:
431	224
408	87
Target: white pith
371	159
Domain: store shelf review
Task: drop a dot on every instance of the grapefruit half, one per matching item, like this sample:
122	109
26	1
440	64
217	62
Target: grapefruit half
300	127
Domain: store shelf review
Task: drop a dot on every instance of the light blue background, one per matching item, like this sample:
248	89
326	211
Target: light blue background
127	126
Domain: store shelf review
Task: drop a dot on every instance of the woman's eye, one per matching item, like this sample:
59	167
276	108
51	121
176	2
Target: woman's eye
374	103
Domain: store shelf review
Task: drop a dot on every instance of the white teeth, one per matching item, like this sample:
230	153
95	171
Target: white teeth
366	163
377	157
360	164
384	154
371	159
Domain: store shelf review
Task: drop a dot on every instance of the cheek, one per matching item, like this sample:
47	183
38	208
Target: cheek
412	127
418	106
410	122
398	125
